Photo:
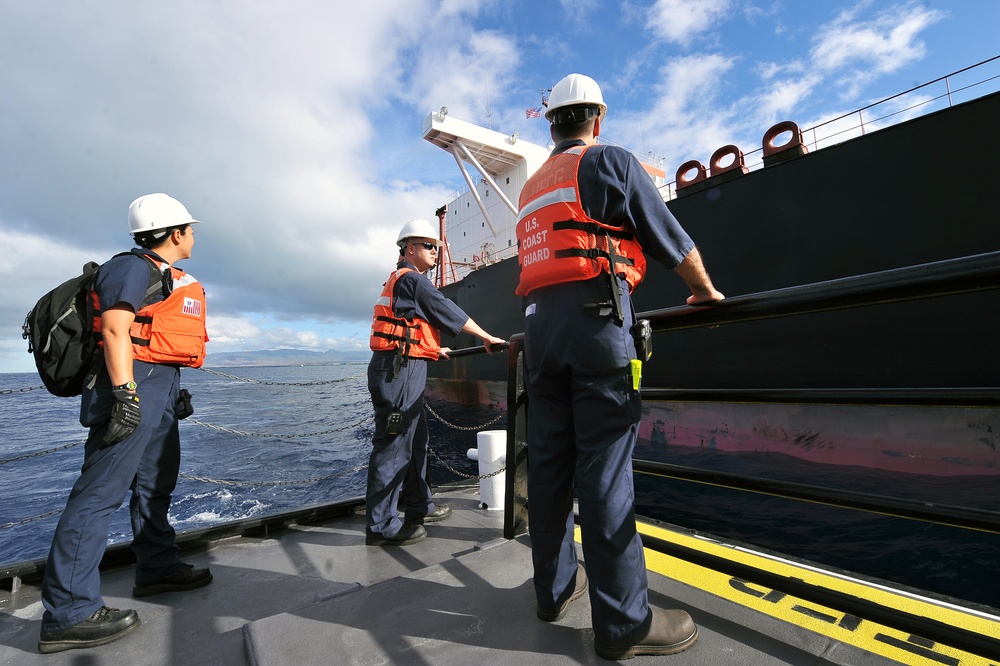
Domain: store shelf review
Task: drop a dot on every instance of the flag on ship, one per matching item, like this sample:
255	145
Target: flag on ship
533	113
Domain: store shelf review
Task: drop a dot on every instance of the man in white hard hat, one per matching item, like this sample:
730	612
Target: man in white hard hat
131	404
406	324
587	219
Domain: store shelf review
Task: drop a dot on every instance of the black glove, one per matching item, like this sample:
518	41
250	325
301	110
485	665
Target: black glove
124	417
183	408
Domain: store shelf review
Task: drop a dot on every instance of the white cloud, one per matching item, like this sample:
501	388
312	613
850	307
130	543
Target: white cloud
686	113
784	95
578	11
855	48
262	121
225	329
681	21
699	105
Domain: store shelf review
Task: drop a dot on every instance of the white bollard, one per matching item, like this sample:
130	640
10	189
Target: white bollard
492	455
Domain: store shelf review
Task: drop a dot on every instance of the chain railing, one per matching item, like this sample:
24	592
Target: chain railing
455	426
476	477
244	433
271	484
458	427
37	454
247	380
24	389
25	521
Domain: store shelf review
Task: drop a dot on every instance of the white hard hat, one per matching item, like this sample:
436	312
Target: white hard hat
417	229
573	90
157	211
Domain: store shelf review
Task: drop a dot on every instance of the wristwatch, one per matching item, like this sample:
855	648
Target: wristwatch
127	386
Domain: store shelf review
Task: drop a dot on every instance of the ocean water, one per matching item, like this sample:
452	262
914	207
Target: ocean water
265	471
272	439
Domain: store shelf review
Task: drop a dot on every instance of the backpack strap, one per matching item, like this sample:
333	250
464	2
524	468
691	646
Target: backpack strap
159	281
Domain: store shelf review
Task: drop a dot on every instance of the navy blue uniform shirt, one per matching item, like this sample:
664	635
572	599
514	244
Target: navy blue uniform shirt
616	190
415	296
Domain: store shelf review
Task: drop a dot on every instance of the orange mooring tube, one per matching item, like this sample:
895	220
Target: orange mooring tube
681	176
738	161
767	143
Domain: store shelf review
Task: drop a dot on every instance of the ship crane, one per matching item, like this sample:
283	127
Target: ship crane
491	154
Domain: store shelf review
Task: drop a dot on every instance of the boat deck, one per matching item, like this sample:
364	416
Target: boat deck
311	594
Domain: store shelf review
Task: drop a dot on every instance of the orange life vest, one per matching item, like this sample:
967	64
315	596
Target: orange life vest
416	336
557	242
171	331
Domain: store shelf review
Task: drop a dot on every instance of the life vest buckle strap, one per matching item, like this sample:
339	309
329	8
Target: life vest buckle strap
592	228
593	253
616	289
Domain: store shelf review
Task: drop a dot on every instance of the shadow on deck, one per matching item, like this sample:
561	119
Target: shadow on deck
312	594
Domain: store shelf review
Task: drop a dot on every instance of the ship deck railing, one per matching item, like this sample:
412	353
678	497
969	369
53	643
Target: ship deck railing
941	93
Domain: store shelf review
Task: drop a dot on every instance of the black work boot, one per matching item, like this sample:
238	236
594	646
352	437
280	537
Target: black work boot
104	626
404	537
184	577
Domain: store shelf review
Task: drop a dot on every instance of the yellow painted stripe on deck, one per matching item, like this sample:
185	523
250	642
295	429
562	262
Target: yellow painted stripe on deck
864	634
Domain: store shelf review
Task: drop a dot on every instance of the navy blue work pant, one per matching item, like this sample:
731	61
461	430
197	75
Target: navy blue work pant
147	463
583	417
397	466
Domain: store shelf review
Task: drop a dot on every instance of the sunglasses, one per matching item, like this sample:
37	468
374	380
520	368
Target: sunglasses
427	246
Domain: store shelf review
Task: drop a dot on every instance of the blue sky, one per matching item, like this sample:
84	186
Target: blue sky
292	129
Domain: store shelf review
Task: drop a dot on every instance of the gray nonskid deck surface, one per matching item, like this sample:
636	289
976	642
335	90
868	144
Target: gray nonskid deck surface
479	609
317	595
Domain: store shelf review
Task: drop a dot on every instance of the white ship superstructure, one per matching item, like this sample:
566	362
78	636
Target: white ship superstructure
478	223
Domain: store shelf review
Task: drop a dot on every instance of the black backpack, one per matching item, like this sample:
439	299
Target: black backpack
58	330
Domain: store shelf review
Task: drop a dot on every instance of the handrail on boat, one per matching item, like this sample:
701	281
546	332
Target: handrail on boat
963	275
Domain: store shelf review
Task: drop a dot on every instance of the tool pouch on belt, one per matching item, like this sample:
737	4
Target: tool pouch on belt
394	423
642	335
183	407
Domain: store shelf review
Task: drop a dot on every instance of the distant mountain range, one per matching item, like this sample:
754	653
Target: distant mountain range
282	357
